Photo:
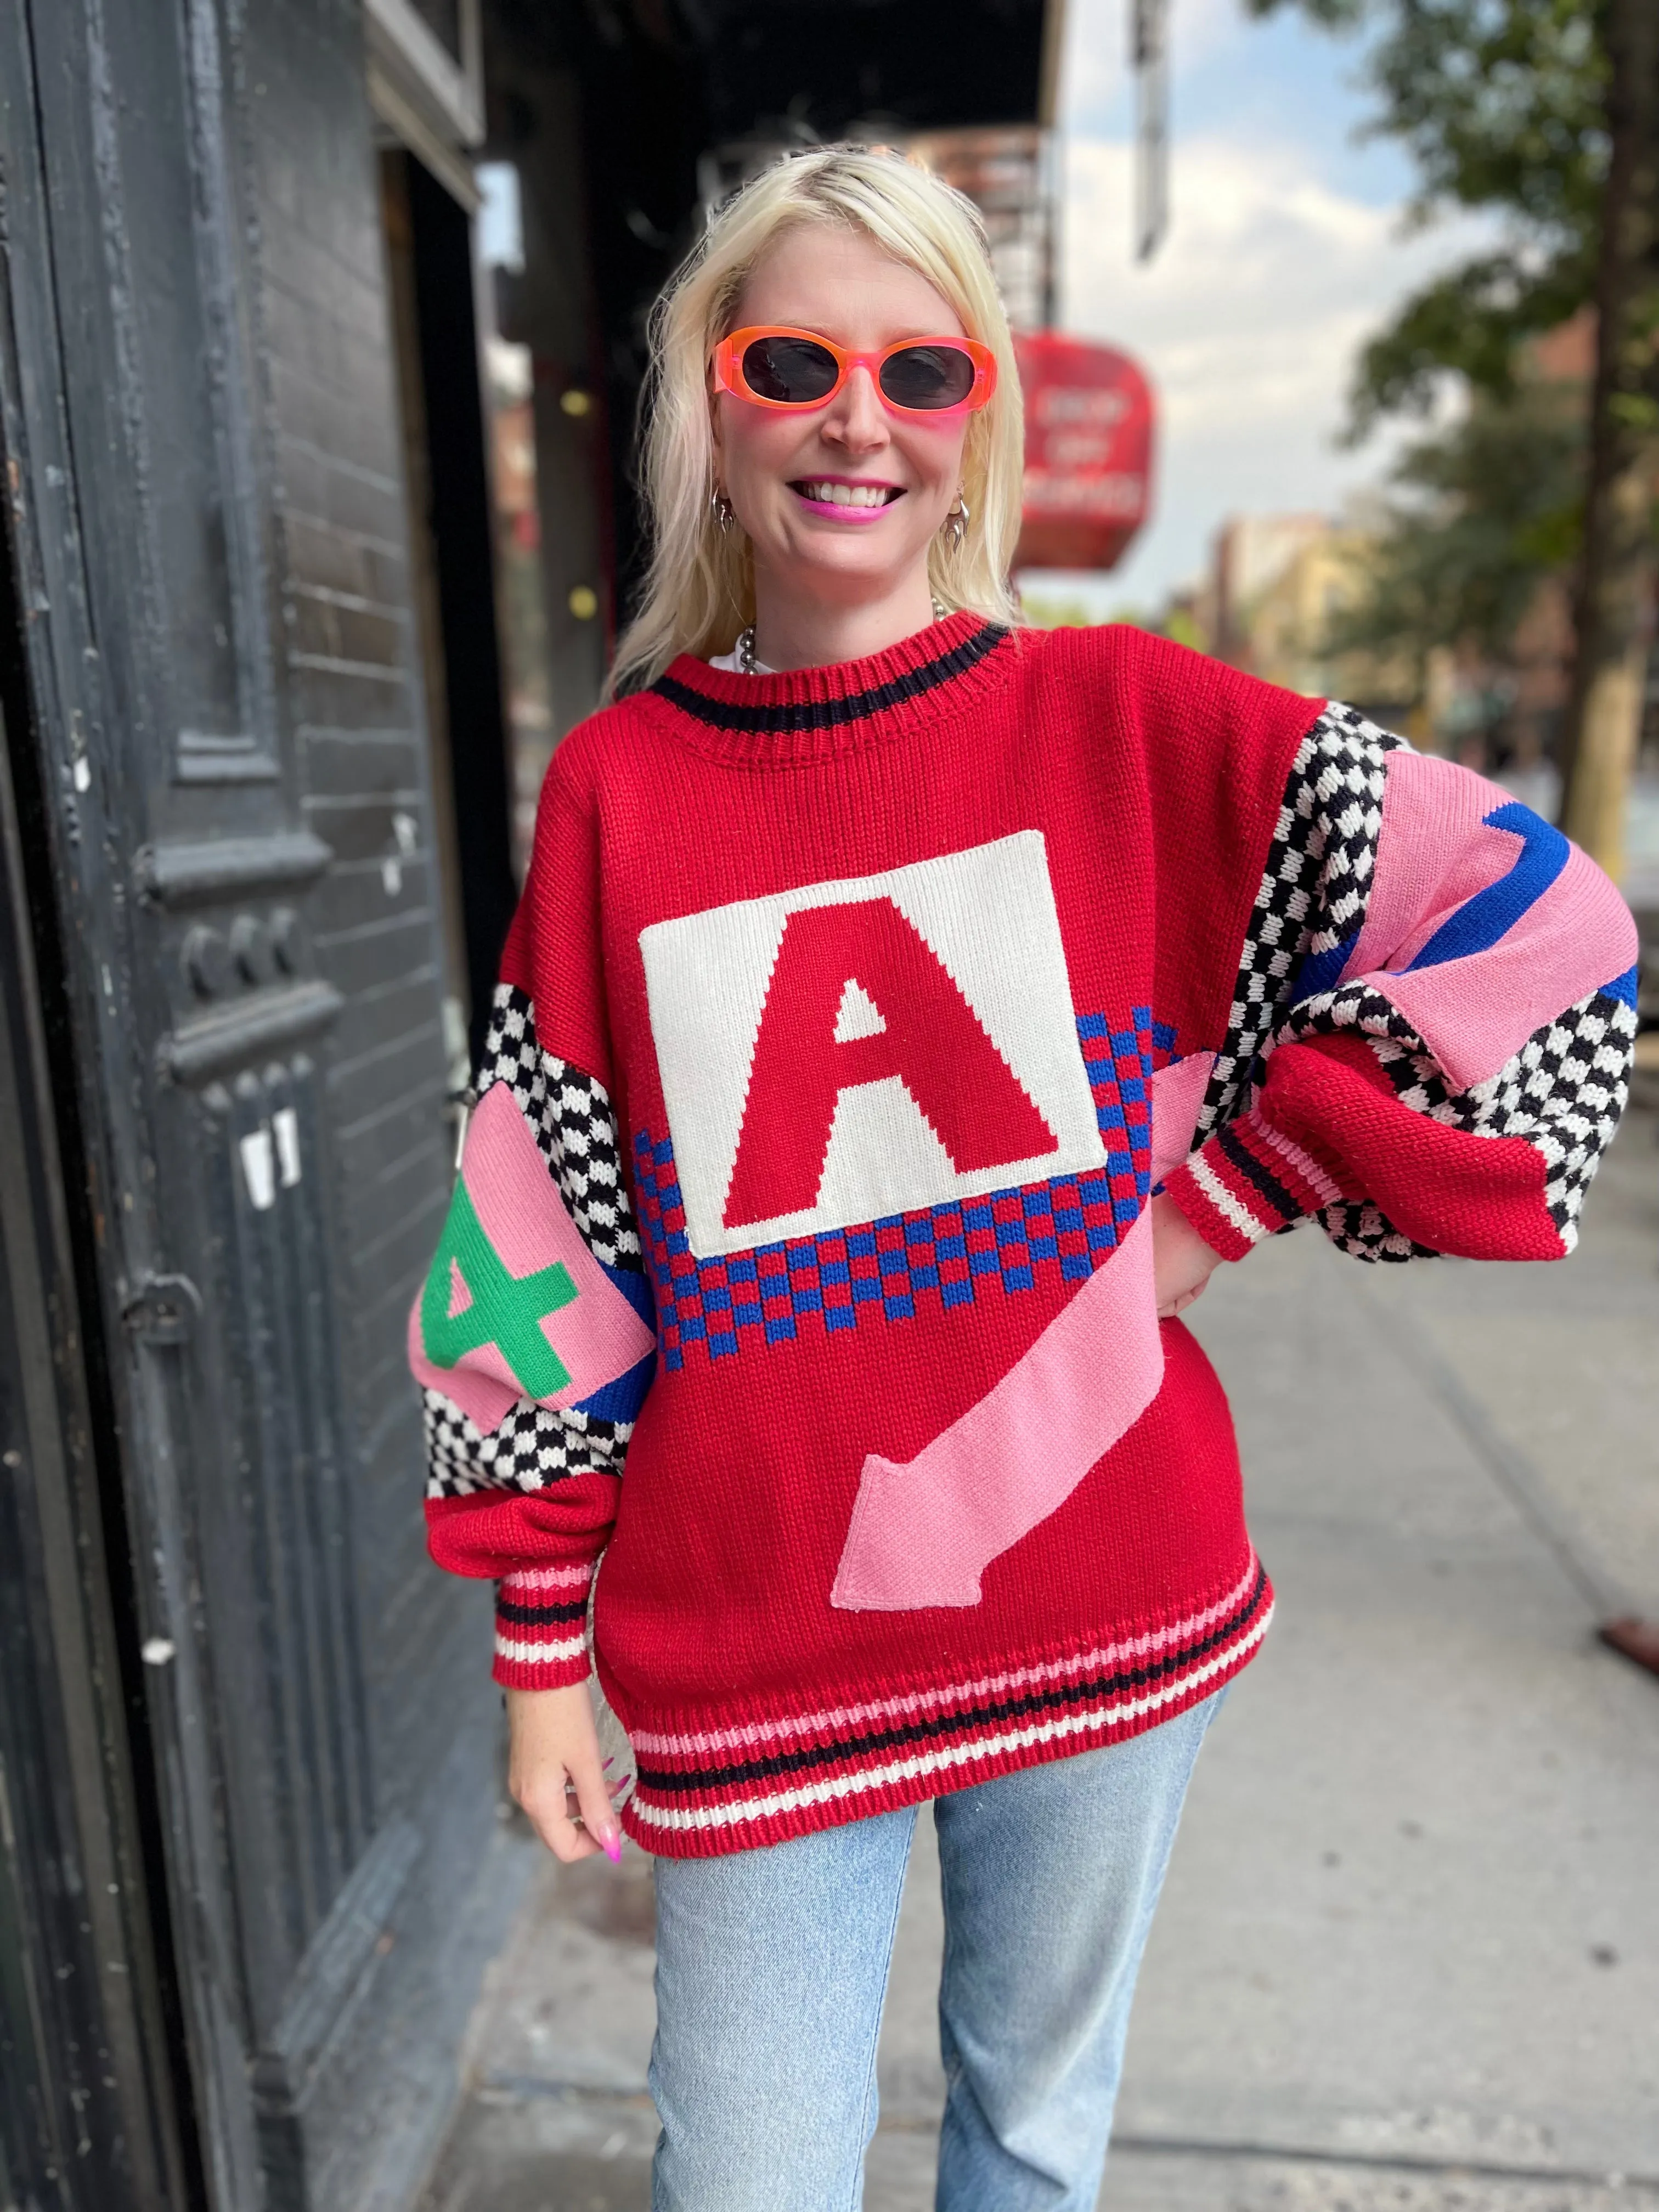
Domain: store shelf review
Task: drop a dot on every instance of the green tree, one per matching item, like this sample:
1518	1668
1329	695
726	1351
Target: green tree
1502	107
1544	113
1477	516
1615	572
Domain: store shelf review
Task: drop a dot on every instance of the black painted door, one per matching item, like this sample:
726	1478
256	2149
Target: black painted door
225	732
89	2051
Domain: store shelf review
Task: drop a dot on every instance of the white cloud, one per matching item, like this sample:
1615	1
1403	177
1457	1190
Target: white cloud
1249	322
1096	67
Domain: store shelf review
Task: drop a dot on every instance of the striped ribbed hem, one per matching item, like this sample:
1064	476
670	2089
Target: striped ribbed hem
541	1627
1248	1181
703	1792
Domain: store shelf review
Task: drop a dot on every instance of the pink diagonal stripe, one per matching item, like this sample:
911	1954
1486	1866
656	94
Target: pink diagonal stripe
923	1534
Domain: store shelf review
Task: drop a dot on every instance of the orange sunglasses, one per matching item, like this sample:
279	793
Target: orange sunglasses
772	366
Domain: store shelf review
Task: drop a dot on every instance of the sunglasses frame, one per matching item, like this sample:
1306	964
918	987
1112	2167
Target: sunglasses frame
729	377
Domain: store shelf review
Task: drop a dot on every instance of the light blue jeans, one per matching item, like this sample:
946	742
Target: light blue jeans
772	1969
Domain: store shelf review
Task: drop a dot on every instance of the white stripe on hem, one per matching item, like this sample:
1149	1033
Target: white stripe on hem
929	1701
1222	1198
523	1654
935	1762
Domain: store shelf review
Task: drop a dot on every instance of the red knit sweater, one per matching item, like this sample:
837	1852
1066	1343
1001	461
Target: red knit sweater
849	1018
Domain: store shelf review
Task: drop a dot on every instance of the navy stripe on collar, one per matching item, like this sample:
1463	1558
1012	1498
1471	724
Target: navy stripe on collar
828	714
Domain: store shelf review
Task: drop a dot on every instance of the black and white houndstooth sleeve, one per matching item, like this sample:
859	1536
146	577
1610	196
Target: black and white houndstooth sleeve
570	1116
572	1121
1563	1090
1313	890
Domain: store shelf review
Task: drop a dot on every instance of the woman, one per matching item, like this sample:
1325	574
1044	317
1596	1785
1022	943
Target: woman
906	1013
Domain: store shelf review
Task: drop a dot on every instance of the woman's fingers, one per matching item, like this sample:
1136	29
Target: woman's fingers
555	1771
593	1799
551	1807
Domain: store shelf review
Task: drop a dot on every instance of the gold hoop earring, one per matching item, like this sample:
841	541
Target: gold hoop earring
954	526
725	513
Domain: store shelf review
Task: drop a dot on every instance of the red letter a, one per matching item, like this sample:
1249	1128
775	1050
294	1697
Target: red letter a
932	1040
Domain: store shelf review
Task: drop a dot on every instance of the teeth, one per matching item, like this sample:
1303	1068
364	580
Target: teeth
842	495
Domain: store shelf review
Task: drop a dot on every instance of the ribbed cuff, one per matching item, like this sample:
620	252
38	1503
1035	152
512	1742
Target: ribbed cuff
1248	1181
541	1627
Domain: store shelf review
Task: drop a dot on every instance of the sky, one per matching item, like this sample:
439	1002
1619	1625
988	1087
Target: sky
1284	251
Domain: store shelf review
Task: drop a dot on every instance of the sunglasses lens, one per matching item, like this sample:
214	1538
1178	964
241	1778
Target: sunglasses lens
793	370
927	377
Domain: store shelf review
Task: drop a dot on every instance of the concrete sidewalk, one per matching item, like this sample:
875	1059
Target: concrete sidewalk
1408	1957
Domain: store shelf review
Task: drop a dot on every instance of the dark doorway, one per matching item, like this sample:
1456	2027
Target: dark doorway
431	269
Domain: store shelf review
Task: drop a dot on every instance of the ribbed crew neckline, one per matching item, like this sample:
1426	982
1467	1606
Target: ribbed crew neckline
804	714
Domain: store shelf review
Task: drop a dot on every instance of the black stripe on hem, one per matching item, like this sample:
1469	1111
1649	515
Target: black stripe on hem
681	1782
538	1616
1253	1172
829	713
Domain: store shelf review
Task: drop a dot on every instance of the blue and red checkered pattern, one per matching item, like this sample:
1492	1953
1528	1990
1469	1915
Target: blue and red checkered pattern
958	1253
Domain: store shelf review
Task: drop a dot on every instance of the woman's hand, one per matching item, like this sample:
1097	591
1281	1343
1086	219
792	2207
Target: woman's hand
1181	1261
554	1756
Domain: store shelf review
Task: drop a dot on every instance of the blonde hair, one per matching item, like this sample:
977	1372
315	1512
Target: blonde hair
699	585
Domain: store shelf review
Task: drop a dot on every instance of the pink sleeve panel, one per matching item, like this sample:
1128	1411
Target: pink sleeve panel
1438	852
1457	1062
593	1334
531	1337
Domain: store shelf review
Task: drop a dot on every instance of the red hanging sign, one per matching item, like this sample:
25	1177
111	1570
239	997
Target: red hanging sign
1088	452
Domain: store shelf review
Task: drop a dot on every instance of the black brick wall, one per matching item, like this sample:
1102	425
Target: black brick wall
359	743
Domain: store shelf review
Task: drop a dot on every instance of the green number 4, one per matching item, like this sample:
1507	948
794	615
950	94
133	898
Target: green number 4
503	1309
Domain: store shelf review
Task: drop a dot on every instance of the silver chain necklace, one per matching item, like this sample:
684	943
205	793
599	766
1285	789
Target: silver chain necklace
748	666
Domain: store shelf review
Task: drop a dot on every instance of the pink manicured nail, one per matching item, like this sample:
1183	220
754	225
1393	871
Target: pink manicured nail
613	1847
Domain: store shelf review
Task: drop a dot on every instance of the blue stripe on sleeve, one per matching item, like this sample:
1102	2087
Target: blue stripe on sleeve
1481	922
1321	970
1622	988
620	1400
